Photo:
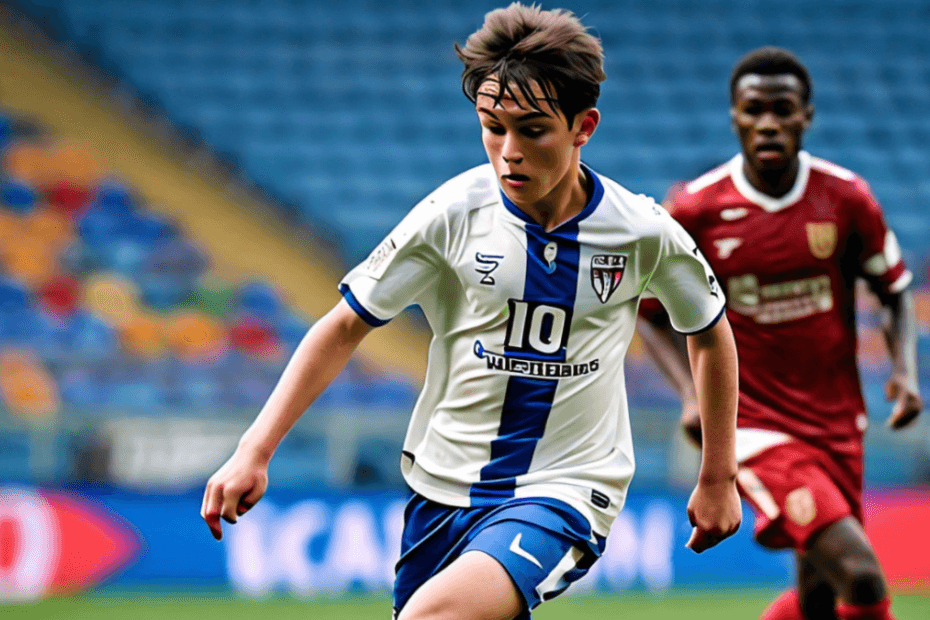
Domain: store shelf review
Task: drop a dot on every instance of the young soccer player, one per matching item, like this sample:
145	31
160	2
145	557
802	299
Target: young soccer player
529	270
788	234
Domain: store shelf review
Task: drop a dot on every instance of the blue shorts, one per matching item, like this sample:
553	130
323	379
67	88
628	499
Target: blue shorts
544	545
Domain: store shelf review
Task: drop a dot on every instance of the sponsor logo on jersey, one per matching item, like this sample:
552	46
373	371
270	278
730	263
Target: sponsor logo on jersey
380	257
533	368
728	215
487	263
780	301
606	273
726	246
54	543
800	506
821	238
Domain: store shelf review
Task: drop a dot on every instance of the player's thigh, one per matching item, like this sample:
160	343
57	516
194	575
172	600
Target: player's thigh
506	569
794	494
843	554
474	587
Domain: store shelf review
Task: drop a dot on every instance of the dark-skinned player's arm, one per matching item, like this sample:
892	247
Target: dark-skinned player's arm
320	357
668	350
899	326
714	508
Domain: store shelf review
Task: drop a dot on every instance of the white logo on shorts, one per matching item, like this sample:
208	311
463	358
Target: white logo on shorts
523	553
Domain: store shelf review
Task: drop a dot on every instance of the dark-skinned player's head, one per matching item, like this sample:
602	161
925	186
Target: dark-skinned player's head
524	45
770	93
771	61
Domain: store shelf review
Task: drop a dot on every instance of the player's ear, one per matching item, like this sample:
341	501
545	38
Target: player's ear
808	115
589	121
733	119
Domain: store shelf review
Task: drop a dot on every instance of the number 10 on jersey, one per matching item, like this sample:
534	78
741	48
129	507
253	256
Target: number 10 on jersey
536	327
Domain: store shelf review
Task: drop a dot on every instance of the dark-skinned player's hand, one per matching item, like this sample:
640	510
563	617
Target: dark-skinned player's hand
907	401
691	422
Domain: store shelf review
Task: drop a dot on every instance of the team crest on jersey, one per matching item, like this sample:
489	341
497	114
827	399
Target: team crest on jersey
821	237
606	273
800	506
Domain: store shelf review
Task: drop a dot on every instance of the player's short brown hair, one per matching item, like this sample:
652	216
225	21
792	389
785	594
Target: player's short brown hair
771	60
525	44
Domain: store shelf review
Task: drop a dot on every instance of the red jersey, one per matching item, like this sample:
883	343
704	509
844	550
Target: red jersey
788	266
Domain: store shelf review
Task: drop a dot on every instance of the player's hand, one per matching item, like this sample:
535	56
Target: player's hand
908	403
715	512
234	489
691	421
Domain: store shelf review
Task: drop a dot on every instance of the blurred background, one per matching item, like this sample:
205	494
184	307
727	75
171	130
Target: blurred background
184	182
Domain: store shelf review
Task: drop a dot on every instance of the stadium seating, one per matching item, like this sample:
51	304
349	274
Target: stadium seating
350	112
106	310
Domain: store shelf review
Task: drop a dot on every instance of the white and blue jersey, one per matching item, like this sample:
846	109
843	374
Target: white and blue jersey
524	393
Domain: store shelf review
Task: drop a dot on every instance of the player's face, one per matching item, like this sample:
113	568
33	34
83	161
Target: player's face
533	152
770	117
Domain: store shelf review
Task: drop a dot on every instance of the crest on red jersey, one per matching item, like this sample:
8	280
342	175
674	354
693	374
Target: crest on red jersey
606	273
821	238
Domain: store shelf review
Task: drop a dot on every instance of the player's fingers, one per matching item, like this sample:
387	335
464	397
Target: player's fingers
702	540
211	511
693	433
250	499
892	388
231	499
903	414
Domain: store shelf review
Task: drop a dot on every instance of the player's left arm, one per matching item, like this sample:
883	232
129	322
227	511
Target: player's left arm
899	325
883	267
714	507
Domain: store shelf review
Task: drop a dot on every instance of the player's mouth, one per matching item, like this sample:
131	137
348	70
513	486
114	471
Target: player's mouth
515	180
770	151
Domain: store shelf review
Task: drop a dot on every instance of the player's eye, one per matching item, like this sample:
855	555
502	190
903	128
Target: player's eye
497	130
754	108
533	131
784	108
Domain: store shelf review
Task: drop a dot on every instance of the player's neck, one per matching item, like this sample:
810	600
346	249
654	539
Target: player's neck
775	183
564	202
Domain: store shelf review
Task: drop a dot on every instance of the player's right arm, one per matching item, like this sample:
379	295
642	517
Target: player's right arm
688	290
319	358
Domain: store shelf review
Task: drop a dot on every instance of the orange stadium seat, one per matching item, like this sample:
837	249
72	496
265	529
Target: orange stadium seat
27	388
50	227
144	336
27	162
73	163
197	337
30	260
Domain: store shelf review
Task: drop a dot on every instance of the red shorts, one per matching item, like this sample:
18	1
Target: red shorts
797	490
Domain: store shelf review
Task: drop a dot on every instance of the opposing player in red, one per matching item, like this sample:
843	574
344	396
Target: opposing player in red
788	234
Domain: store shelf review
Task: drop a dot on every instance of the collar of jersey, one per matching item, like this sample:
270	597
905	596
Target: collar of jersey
770	203
589	208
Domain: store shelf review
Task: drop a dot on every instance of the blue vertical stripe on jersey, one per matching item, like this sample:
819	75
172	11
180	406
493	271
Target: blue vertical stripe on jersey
528	400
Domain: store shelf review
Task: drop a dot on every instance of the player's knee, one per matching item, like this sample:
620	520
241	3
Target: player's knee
866	584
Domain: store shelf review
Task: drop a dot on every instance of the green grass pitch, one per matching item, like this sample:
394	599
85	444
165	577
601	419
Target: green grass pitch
703	605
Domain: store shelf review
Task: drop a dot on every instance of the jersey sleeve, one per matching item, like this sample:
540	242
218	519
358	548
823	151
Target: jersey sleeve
880	260
684	282
399	270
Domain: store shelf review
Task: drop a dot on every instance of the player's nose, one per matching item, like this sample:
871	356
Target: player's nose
511	151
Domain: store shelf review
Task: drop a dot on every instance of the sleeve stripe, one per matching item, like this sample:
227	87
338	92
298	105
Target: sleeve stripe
365	315
901	283
709	325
